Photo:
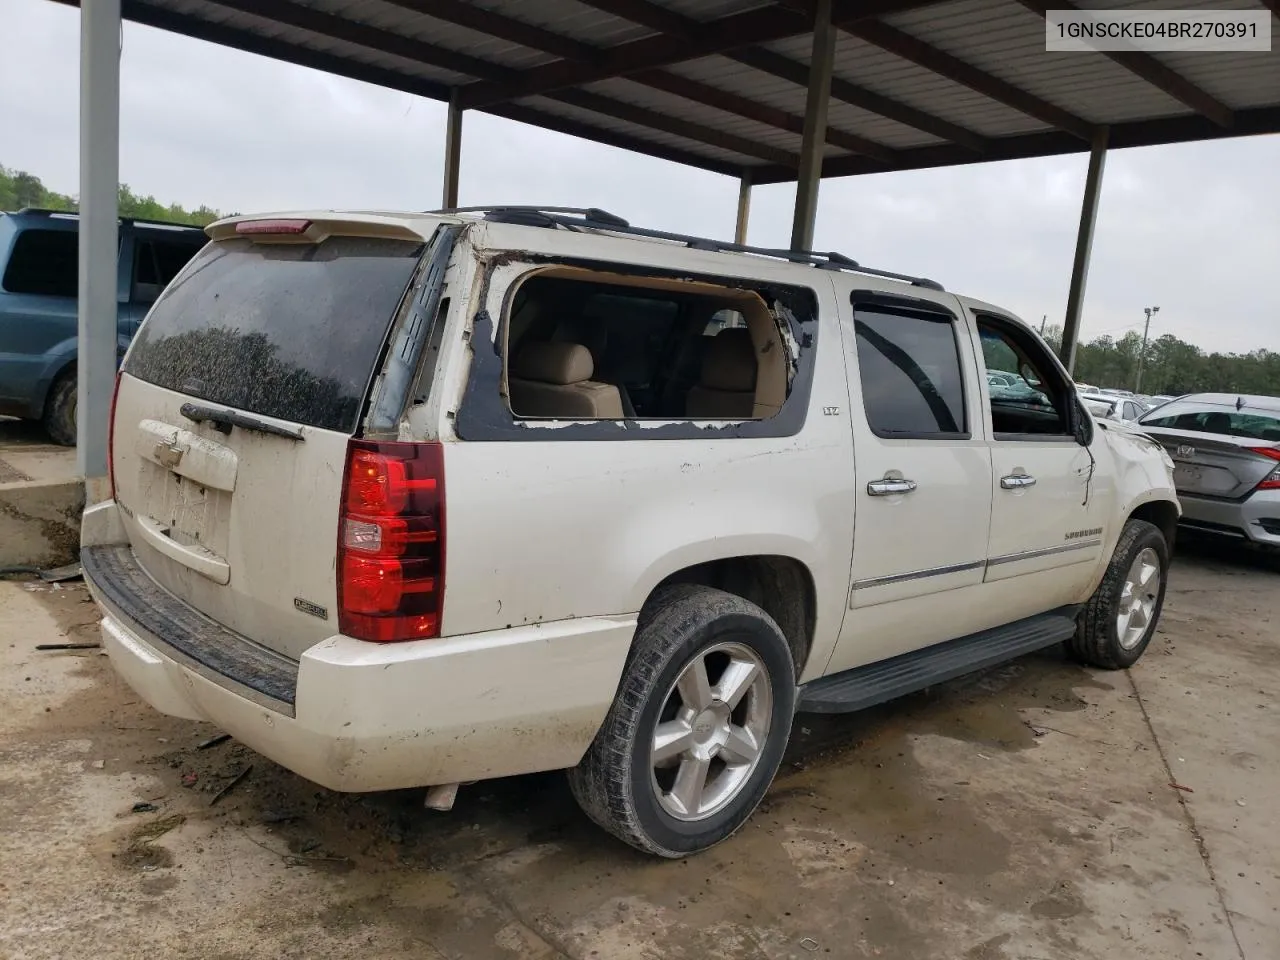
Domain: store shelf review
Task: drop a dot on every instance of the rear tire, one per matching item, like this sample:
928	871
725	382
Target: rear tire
60	409
1120	618
686	752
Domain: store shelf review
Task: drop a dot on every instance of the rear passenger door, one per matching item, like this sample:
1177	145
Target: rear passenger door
154	262
923	476
38	312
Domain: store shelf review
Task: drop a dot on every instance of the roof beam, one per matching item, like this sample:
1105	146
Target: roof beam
136	11
646	14
785	68
362	34
1150	69
1183	128
585	131
931	58
667	21
688	129
484	21
374	38
761	25
536	38
700	92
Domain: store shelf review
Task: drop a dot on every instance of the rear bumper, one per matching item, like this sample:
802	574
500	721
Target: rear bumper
370	716
1256	519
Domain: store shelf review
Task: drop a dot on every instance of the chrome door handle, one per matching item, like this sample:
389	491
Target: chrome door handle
1017	481
889	488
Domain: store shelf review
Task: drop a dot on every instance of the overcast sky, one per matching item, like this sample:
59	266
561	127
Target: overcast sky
1193	228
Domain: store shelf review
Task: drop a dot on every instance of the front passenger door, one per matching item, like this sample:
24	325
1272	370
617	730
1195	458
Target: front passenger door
1049	502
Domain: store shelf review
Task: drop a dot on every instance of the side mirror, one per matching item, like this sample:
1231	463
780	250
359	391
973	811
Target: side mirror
1082	429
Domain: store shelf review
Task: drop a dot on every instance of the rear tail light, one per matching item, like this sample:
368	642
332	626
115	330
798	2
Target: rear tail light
1272	480
111	439
391	541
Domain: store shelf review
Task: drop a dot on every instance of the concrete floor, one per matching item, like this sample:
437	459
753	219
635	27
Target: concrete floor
1035	812
27	453
41	498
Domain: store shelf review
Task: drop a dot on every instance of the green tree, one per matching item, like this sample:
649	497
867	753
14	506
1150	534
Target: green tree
20	189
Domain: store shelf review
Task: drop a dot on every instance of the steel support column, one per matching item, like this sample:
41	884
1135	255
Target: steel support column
1084	249
814	143
99	236
452	152
744	209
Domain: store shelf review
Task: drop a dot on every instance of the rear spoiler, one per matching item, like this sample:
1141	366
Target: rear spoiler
304	229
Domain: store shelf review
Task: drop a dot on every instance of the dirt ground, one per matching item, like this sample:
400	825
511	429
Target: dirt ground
1035	812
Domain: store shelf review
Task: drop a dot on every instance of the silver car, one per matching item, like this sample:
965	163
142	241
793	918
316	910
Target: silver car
1226	454
1116	406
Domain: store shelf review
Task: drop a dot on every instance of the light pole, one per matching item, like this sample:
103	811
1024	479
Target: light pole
1137	385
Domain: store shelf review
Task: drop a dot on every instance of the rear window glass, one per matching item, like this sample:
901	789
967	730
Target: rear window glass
1198	417
284	330
909	365
44	262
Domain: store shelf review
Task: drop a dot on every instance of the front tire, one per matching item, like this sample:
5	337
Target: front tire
698	727
1117	624
60	410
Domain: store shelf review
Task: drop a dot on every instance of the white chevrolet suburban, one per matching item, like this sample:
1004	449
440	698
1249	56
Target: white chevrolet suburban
419	499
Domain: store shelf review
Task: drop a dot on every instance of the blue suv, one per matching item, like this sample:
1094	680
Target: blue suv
39	274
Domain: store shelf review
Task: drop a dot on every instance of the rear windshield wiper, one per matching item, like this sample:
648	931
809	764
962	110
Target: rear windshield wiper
224	420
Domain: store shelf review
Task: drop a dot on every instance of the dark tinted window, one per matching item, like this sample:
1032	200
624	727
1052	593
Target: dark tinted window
44	262
1202	417
156	263
172	257
289	331
909	365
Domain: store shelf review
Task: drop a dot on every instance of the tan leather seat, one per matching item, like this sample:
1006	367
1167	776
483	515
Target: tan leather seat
726	389
554	380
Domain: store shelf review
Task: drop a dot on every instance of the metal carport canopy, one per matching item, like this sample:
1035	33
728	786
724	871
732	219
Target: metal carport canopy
766	91
721	84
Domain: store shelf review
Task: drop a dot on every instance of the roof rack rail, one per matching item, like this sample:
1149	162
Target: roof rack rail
47	211
593	218
537	215
143	221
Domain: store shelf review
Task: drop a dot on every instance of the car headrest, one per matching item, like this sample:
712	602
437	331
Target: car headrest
730	362
557	363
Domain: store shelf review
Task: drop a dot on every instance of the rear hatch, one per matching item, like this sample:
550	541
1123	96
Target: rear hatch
234	411
1216	465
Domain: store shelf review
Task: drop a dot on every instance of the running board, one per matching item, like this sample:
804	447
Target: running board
875	683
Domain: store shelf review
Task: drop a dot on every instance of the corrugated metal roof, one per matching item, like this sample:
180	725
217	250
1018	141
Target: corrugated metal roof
557	108
873	68
721	83
1007	40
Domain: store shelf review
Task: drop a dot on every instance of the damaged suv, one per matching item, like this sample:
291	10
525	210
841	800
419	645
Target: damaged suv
422	499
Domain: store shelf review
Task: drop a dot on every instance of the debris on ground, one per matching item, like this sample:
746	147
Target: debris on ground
19	569
213	741
149	832
232	785
1178	786
72	571
142	806
189	778
68	646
